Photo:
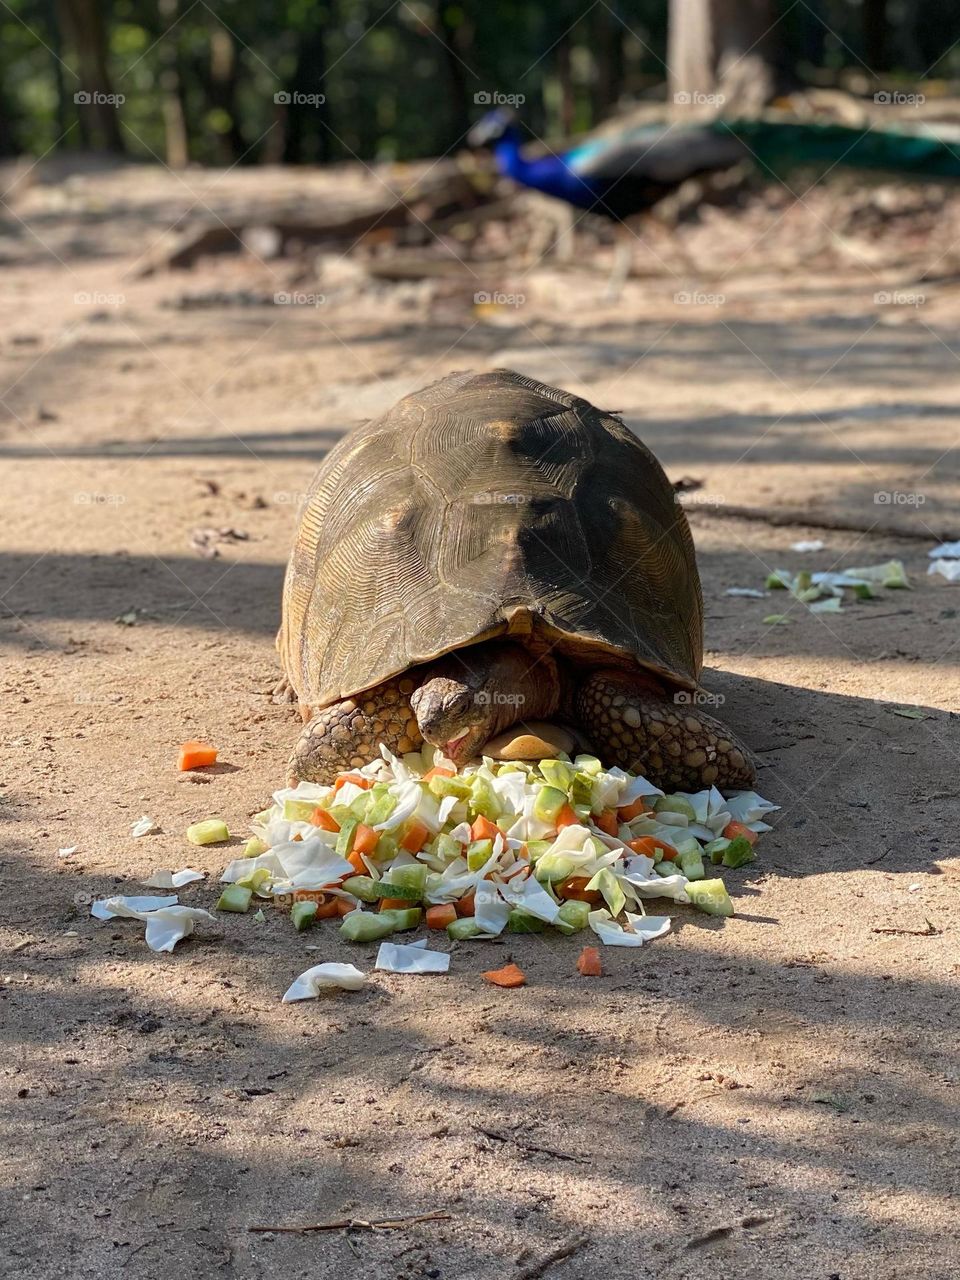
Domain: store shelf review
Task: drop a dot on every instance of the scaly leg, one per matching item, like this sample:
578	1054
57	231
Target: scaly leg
633	723
348	734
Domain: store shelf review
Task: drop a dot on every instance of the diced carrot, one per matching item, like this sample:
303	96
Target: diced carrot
344	906
576	887
320	818
329	908
357	862
649	845
508	976
627	812
439	916
483	829
467	905
734	829
438	771
196	755
589	964
607	821
397	904
365	839
356	778
416	837
566	817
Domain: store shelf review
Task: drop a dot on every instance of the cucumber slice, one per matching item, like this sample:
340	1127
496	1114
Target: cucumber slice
298	810
366	926
234	898
557	869
446	847
255	879
738	853
460	930
521	922
210	831
408	918
345	838
665	867
478	853
254	847
392	889
549	802
691	864
675	804
574	915
412	876
588	764
581	790
362	887
303	915
380	805
716	848
441	787
483	800
710	896
537	848
775	582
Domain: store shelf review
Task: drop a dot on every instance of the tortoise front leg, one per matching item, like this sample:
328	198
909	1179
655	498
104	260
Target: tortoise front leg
347	734
635	724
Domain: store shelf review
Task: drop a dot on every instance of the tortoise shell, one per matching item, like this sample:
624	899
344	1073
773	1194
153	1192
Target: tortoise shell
488	504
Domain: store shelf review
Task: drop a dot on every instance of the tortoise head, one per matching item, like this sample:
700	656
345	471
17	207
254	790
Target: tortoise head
454	710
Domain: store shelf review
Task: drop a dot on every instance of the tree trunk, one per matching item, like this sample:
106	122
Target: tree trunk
721	55
83	24
305	138
458	95
171	98
222	89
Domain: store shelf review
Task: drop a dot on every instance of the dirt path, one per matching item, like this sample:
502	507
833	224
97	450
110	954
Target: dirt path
773	1095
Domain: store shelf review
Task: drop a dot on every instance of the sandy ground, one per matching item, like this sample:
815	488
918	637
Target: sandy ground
770	1095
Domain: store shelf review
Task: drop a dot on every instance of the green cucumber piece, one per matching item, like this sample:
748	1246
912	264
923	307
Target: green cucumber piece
441	787
446	847
549	802
345	838
392	889
537	848
210	831
404	919
255	880
412	876
573	917
522	922
380	805
559	869
691	864
666	867
366	926
235	898
581	790
557	774
362	887
588	764
775	583
710	896
298	810
478	854
465	927
483	800
738	852
716	848
303	915
675	804
254	847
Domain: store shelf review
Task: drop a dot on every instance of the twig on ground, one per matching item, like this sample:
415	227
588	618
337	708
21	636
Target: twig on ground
526	1145
558	1255
926	932
358	1224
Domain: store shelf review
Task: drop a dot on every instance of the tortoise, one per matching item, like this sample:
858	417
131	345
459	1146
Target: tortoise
490	554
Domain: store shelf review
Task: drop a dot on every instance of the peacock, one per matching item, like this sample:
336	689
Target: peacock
621	174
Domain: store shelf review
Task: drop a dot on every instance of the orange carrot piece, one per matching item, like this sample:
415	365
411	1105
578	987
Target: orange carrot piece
356	778
467	905
509	976
196	755
395	904
344	906
566	817
329	908
416	837
357	862
439	916
365	839
320	818
576	887
734	829
438	771
607	821
649	845
483	829
627	812
589	964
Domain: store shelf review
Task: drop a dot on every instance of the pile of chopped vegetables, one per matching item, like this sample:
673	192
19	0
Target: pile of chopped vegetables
500	846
